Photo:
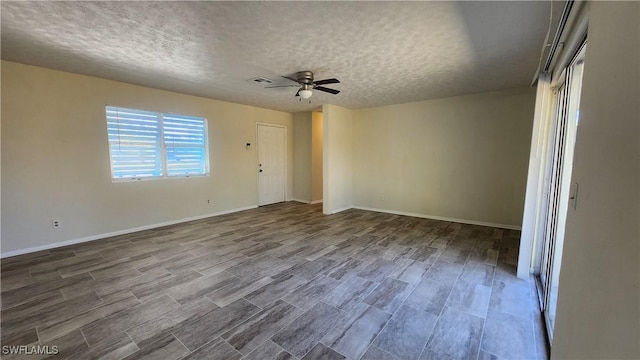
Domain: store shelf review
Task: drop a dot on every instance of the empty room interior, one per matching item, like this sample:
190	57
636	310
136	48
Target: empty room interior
320	180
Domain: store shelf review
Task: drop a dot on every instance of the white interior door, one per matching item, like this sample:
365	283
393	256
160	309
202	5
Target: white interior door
271	164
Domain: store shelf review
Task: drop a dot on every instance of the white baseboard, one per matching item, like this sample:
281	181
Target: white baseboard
300	201
306	201
119	232
173	222
424	216
341	210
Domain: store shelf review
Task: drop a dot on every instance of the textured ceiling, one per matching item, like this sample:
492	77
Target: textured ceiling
383	52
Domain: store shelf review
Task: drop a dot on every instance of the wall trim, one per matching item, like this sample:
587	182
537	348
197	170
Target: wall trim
424	216
300	201
199	217
316	202
119	232
342	209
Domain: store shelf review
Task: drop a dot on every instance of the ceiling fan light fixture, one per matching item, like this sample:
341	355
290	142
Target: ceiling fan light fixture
305	93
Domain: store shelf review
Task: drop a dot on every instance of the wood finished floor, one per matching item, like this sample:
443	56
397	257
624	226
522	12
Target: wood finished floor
278	282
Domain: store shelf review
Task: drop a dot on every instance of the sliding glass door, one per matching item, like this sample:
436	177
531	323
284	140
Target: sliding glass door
559	190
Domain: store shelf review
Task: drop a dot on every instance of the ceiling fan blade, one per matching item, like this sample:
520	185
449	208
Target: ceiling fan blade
327	81
331	91
277	86
290	78
298	92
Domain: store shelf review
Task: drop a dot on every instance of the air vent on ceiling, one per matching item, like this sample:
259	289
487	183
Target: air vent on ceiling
261	80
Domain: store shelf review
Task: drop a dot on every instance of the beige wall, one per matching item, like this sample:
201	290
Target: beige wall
55	158
307	157
302	146
598	314
316	156
461	158
338	158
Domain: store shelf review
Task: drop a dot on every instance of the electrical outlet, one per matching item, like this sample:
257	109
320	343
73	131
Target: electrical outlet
56	224
208	201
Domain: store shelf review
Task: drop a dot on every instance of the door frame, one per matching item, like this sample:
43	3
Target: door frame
553	187
556	204
257	160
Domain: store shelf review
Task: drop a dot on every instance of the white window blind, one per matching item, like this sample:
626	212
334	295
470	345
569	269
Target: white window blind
145	144
185	142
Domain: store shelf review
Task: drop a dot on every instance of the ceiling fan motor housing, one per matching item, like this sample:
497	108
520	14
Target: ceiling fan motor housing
304	77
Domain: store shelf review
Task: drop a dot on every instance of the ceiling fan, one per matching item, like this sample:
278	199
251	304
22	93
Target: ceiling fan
304	80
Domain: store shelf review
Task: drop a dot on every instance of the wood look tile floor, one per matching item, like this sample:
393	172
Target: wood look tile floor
278	282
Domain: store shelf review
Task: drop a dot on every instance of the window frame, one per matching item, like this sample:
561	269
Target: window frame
162	148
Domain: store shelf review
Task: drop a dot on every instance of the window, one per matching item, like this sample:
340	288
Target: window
150	145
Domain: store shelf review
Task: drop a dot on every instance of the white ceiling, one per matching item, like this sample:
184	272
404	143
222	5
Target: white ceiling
383	52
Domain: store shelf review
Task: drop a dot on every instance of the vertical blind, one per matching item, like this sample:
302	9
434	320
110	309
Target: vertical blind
146	144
